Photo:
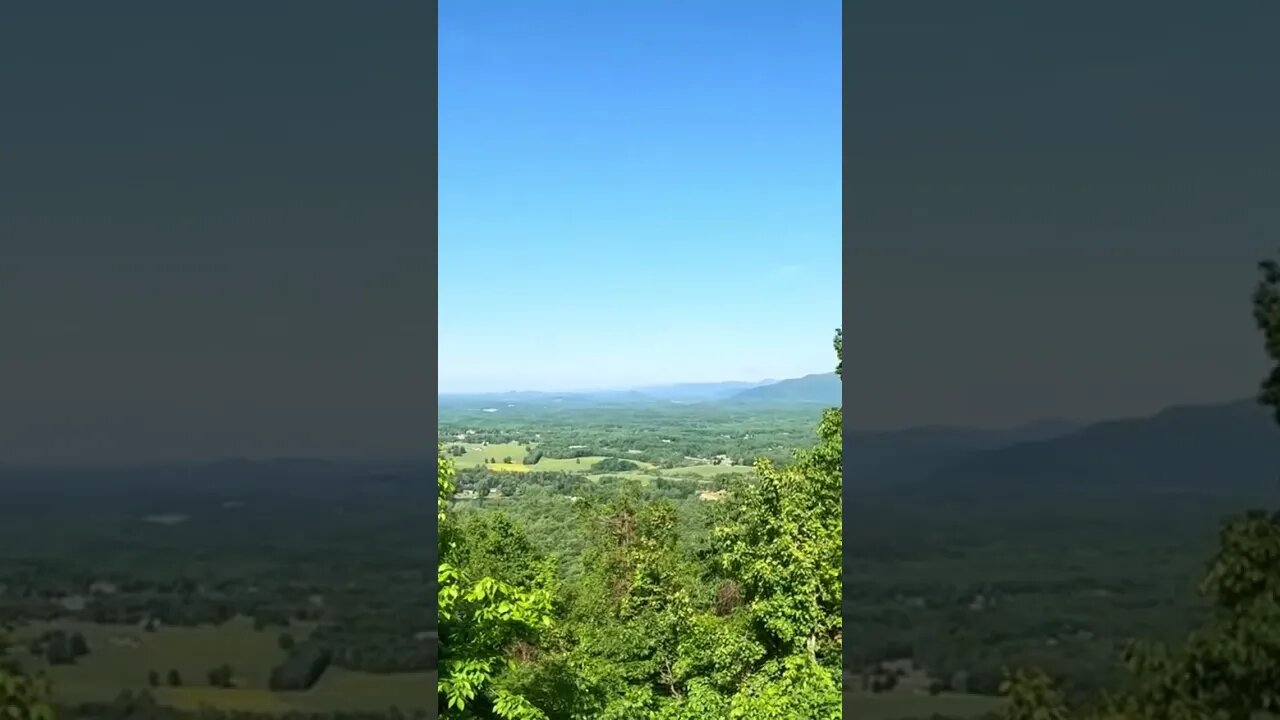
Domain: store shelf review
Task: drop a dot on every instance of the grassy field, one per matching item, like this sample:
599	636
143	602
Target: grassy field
644	478
582	464
338	691
709	470
493	456
480	454
121	656
341	689
546	464
234	700
568	465
913	706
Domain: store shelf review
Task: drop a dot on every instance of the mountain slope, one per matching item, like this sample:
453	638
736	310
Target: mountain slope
892	458
699	392
1229	448
812	389
822	389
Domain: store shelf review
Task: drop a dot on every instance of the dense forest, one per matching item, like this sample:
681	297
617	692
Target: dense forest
646	615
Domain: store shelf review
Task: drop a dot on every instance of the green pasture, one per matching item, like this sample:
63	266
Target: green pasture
917	706
339	690
705	471
122	656
480	454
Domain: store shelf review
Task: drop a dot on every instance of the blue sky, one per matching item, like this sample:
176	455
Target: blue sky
637	191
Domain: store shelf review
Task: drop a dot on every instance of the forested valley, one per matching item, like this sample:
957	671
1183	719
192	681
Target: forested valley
646	593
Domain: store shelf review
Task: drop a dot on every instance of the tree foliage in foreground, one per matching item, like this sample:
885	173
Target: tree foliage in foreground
481	618
1229	667
23	696
745	625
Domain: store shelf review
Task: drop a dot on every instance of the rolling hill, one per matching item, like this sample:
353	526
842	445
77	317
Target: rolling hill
1231	448
821	389
812	389
700	392
880	459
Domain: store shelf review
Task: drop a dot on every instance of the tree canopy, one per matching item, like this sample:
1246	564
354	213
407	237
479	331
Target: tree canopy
744	625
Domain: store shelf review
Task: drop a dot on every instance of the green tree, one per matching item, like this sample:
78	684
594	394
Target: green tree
758	637
24	697
741	620
78	646
780	539
481	619
631	611
221	676
1031	695
614	465
57	649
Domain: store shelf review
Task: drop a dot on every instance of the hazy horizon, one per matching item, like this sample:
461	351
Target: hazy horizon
499	390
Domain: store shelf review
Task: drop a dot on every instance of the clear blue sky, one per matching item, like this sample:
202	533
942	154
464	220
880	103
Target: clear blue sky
637	191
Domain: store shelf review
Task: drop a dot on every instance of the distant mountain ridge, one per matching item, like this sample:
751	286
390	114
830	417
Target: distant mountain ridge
897	457
819	389
811	389
1227	448
701	392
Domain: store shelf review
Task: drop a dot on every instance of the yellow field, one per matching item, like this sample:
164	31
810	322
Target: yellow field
510	467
